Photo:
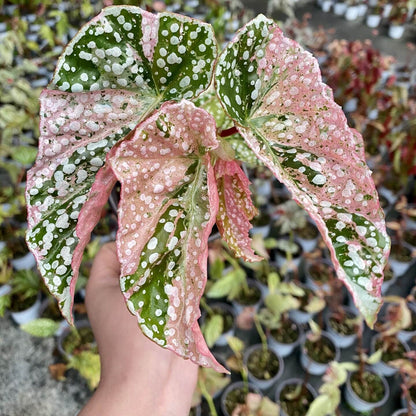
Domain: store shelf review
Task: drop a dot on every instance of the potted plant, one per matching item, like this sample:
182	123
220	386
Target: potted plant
294	397
264	365
407	370
283	333
397	19
375	14
236	393
25	296
343	324
329	396
235	396
365	388
218	322
353	10
318	350
319	274
396	318
209	386
311	302
340	7
256	405
195	180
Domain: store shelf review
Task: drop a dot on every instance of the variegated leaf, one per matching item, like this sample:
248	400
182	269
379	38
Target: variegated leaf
114	73
289	119
168	206
235	208
161	57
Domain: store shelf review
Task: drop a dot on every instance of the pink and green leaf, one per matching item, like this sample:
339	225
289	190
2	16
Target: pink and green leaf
288	117
109	78
235	208
162	57
168	206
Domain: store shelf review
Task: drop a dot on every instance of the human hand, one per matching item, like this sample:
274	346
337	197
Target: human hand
138	377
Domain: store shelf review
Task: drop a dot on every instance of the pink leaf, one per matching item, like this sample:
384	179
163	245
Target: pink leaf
289	119
168	206
235	208
64	198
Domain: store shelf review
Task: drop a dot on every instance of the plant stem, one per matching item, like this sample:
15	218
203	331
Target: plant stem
205	305
228	132
208	398
261	333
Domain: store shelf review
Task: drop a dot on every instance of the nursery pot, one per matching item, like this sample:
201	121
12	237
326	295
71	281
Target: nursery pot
373	20
400	258
407	334
288	407
340	8
5	289
29	314
284	346
235	393
401	412
228	313
382	367
358	403
68	343
342	335
25	262
389	280
404	401
312	365
326	5
396	31
308	237
352	13
253	301
280	258
318	274
263	371
301	316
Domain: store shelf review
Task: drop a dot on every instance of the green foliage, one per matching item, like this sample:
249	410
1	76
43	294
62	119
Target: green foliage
229	285
41	327
212	329
88	365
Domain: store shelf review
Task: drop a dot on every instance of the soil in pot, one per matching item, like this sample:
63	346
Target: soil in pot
83	341
388	274
288	332
321	273
248	296
19	303
409	236
17	246
295	400
343	323
321	350
263	364
235	397
392	348
51	311
369	387
401	253
308	232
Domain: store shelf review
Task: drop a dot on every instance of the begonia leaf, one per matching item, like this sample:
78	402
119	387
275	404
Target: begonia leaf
272	88
168	206
161	57
116	71
235	208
